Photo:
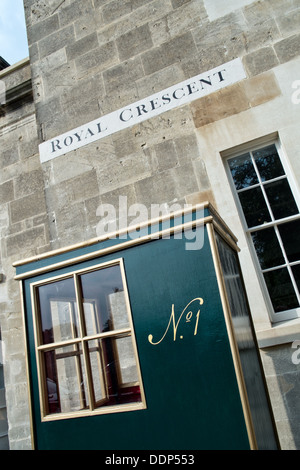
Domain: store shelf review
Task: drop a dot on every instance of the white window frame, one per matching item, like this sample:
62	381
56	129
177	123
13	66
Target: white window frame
252	147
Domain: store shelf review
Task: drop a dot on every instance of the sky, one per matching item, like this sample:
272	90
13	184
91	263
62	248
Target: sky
13	38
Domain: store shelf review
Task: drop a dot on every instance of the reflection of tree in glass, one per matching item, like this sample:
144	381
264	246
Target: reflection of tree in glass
268	163
267	248
254	207
281	290
243	171
281	199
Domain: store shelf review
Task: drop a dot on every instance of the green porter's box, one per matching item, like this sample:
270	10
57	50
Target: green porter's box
143	340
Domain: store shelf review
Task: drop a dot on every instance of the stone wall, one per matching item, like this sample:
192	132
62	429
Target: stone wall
23	233
91	58
282	375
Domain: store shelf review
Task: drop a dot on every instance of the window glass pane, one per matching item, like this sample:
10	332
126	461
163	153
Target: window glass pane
254	206
245	341
87	373
290	234
281	290
58	311
268	163
281	199
104	300
65	380
243	171
127	365
296	273
120	370
267	248
96	364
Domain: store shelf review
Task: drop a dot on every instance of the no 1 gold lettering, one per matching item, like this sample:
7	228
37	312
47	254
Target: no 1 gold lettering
188	314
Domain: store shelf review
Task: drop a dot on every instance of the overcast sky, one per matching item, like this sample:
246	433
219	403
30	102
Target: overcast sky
13	38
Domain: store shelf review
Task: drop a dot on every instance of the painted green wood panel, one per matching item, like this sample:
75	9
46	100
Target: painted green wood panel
191	390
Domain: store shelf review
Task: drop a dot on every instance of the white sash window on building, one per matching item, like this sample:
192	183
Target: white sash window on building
270	213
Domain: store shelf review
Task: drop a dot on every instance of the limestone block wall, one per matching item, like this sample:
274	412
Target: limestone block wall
24	232
91	58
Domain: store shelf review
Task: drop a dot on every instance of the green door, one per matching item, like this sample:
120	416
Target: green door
181	390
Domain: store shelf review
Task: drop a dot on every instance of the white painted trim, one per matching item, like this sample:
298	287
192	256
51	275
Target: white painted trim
251	147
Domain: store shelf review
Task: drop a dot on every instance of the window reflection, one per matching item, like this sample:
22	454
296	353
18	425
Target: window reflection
121	378
86	343
281	290
66	384
104	301
281	199
58	311
296	272
254	206
260	410
243	171
267	248
268	163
